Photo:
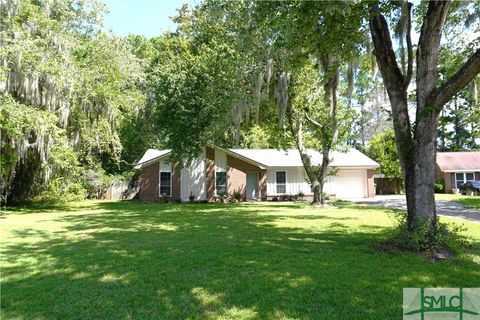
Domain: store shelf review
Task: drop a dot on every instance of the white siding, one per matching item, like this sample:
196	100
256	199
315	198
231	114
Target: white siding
192	180
220	161
296	181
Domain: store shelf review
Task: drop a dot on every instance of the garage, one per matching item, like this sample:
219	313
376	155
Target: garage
351	184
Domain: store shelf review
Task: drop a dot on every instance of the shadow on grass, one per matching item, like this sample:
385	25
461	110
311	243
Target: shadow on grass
142	261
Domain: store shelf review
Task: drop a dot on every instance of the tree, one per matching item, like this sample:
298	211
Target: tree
329	41
383	149
79	82
417	141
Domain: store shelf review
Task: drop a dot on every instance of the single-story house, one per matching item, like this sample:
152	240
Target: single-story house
259	174
456	168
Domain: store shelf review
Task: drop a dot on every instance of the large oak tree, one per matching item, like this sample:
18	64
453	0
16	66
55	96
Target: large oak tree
417	140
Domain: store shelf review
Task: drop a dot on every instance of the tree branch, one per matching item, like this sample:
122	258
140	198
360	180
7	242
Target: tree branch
383	46
409	46
458	81
315	123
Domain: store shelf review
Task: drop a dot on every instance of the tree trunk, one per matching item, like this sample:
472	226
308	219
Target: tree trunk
417	151
297	130
329	137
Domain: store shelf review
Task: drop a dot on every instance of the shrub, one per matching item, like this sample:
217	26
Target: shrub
60	190
164	198
275	199
300	196
96	182
439	186
236	196
191	197
222	198
445	236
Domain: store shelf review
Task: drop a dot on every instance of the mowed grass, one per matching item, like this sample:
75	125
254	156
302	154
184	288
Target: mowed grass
469	201
127	260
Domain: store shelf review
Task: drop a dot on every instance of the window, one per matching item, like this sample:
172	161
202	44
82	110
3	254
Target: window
281	182
165	183
462	177
221	183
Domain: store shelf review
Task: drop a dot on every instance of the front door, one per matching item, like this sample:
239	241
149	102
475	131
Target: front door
252	185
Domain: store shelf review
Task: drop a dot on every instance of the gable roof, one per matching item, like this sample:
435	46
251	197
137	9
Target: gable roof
151	155
291	158
458	161
278	158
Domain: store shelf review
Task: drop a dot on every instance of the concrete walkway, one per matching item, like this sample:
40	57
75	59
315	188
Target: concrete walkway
444	207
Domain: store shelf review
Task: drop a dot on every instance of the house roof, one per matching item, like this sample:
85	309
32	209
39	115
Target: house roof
151	155
458	161
352	158
291	158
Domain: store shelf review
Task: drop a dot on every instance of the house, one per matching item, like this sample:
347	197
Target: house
256	173
456	168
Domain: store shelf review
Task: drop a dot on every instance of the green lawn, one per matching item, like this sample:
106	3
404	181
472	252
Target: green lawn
469	201
124	260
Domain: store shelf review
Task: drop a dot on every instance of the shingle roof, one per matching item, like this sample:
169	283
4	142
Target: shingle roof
151	154
291	158
283	158
458	161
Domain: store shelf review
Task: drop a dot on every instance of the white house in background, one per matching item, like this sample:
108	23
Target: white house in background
260	174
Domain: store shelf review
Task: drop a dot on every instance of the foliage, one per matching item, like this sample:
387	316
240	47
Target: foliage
439	186
422	239
63	85
383	149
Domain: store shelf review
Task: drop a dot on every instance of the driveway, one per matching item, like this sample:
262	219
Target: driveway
444	207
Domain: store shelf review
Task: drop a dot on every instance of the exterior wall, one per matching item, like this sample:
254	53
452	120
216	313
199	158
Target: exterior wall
193	180
175	182
210	173
370	184
296	182
148	190
449	179
262	180
237	176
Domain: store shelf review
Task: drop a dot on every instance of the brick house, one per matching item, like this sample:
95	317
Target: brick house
456	168
259	174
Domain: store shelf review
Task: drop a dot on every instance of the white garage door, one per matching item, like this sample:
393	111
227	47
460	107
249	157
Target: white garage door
351	184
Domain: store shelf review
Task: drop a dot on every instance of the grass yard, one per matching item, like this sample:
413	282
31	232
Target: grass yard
469	201
126	260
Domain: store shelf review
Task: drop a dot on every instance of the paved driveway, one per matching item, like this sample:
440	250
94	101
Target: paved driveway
444	207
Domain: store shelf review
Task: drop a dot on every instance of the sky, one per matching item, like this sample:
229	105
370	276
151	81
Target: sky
149	18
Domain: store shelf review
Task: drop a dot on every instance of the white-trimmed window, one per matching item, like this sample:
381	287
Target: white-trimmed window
281	182
462	177
221	182
165	183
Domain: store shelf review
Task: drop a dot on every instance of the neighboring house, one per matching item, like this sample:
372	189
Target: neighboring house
456	168
256	173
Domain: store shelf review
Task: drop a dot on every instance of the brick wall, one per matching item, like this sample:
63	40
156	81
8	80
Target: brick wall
370	184
148	190
175	182
448	178
210	173
237	177
262	181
